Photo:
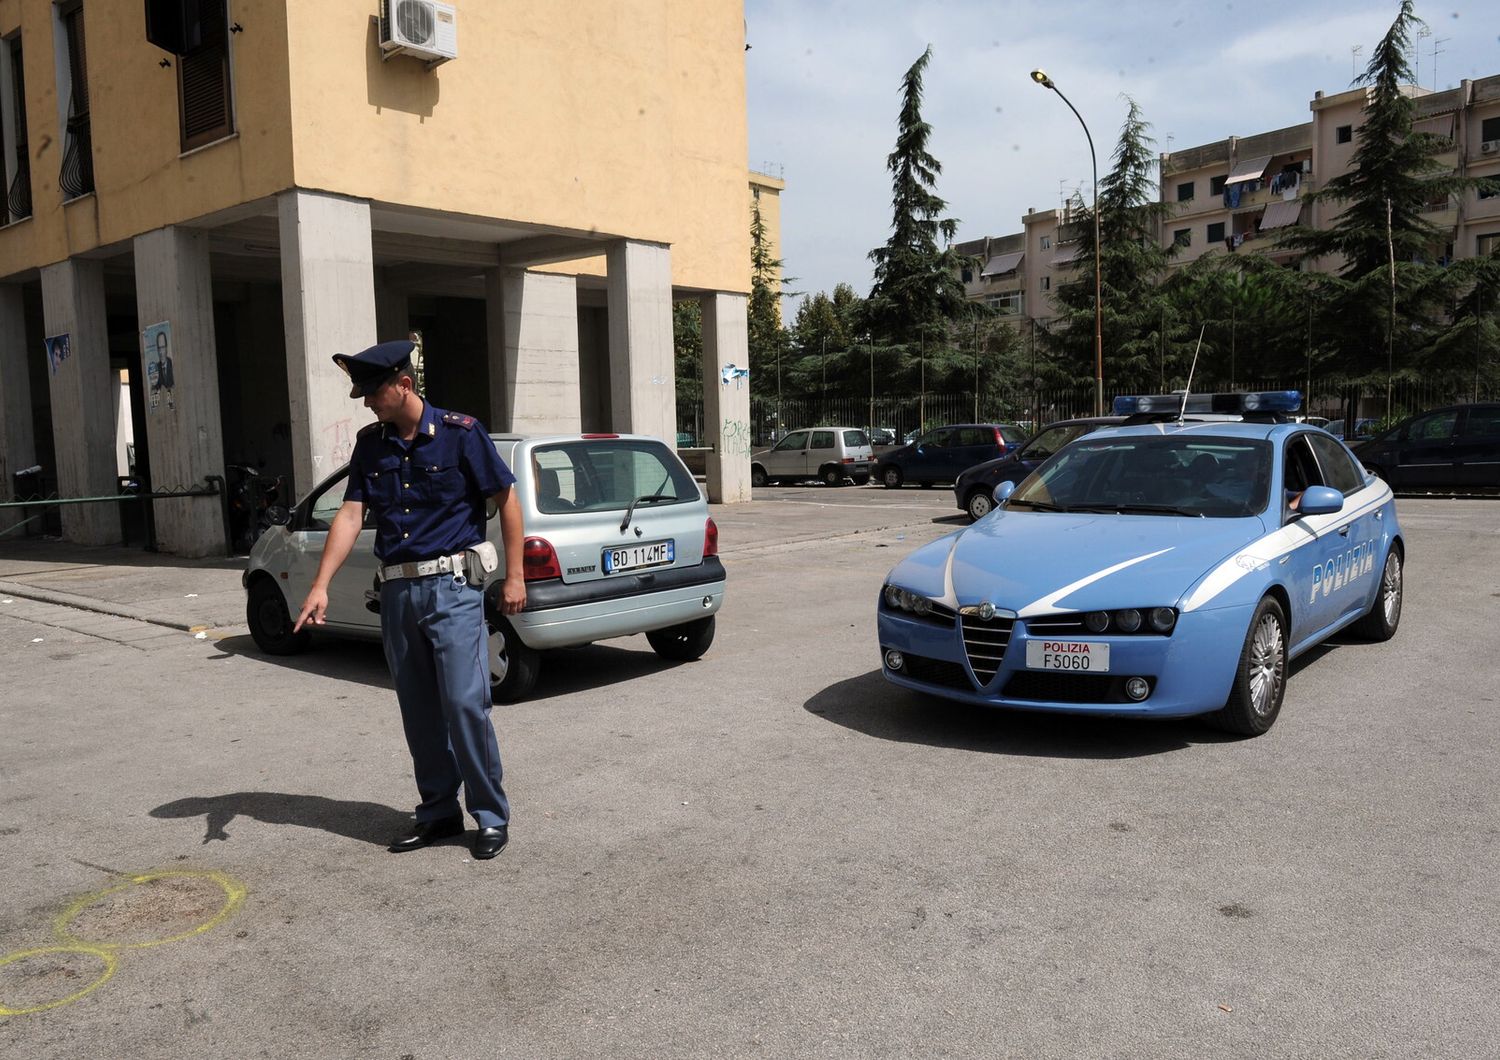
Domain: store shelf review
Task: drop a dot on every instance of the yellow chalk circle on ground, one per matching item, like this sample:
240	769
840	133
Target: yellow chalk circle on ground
234	894
106	956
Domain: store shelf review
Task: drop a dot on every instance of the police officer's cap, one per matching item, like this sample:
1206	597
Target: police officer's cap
370	369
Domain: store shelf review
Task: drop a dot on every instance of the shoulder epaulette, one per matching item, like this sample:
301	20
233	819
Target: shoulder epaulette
458	419
369	428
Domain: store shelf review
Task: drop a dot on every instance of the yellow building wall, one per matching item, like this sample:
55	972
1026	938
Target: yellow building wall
142	182
622	119
625	119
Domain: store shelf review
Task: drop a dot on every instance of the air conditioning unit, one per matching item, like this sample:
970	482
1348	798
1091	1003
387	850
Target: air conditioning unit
421	28
1490	147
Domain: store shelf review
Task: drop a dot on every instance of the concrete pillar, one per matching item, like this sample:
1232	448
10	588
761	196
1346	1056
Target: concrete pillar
643	384
328	301
84	395
17	437
532	326
726	397
184	429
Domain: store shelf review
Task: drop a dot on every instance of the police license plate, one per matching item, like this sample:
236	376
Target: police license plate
1082	656
634	557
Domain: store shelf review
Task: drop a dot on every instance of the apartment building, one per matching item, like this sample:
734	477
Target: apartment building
1237	195
210	199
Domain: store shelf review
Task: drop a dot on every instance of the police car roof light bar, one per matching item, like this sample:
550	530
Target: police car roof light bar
1260	402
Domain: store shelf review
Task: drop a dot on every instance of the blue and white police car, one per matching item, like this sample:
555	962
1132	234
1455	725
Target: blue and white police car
1167	567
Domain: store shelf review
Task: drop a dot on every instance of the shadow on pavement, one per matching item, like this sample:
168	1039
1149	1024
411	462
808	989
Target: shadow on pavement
368	822
870	705
564	670
362	661
569	670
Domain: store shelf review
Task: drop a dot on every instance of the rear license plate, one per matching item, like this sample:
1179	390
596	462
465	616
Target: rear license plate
634	557
1082	656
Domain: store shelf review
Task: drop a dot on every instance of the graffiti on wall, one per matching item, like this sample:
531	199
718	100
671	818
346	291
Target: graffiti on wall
341	442
736	437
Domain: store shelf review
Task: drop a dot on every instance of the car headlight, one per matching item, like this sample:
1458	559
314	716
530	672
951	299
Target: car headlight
1162	619
1159	620
899	599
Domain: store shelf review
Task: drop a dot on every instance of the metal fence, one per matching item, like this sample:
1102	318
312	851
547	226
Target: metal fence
771	417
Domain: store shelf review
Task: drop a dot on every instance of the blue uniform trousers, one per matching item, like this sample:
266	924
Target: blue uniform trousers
437	648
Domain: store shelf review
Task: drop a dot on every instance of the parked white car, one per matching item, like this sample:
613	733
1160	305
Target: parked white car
833	454
618	541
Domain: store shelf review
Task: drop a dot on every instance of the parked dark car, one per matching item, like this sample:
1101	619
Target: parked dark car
975	488
941	455
1452	448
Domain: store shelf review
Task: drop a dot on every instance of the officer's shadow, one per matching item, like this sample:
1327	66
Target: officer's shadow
368	822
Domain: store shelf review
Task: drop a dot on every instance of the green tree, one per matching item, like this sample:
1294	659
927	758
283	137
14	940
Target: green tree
767	338
1393	295
917	289
1132	262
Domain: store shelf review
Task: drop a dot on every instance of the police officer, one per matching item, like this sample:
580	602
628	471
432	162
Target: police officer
426	475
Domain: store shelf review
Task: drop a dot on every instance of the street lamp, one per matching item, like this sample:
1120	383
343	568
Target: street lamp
1041	78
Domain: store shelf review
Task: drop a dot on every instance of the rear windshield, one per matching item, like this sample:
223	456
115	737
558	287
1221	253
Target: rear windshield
854	439
608	474
1012	435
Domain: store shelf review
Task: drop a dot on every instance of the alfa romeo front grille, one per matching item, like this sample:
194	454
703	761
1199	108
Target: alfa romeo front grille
985	641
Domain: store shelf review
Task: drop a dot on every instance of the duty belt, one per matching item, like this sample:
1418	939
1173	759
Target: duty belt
455	564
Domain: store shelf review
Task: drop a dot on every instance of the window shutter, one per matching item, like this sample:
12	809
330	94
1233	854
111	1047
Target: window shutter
203	82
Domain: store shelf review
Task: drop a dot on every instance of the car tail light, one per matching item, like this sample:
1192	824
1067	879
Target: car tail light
599	436
539	559
1000	440
710	539
848	459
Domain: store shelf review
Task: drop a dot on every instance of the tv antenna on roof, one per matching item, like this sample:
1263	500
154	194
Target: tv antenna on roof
1423	31
1354	54
1435	51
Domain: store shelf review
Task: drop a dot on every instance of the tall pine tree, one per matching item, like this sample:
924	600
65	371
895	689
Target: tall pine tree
1132	262
917	288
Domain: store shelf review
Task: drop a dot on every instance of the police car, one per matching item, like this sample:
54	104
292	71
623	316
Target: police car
618	541
1166	567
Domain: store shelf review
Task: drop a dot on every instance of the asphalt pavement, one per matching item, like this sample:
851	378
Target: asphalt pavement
769	851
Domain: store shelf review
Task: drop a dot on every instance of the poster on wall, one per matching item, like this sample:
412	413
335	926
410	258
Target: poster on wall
57	351
156	355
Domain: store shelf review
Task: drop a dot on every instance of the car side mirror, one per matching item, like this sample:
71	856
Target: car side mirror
278	515
1003	491
1321	500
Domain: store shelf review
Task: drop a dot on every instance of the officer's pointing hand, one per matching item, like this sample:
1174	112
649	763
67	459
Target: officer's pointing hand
313	609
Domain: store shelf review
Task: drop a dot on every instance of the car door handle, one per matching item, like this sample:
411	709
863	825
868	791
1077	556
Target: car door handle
1344	530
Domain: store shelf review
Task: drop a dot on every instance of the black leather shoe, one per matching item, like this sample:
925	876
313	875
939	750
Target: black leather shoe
426	833
489	842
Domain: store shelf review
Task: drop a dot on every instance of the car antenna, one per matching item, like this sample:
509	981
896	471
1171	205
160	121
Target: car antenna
1182	409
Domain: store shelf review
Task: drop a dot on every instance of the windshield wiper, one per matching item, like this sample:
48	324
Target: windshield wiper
1153	509
1041	506
650	498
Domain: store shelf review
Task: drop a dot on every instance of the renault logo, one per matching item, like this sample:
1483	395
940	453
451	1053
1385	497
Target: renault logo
986	611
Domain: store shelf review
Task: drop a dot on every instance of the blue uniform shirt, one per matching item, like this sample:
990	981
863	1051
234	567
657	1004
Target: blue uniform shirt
427	496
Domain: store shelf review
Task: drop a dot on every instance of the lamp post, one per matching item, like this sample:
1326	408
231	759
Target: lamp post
1041	78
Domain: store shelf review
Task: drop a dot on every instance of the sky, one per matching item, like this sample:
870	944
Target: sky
824	91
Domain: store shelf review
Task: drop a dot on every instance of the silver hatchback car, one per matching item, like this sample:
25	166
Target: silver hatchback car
832	454
618	541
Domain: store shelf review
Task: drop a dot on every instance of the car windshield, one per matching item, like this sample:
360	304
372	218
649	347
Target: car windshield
1221	478
602	475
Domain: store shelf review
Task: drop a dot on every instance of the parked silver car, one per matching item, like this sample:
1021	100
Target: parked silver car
618	541
834	454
